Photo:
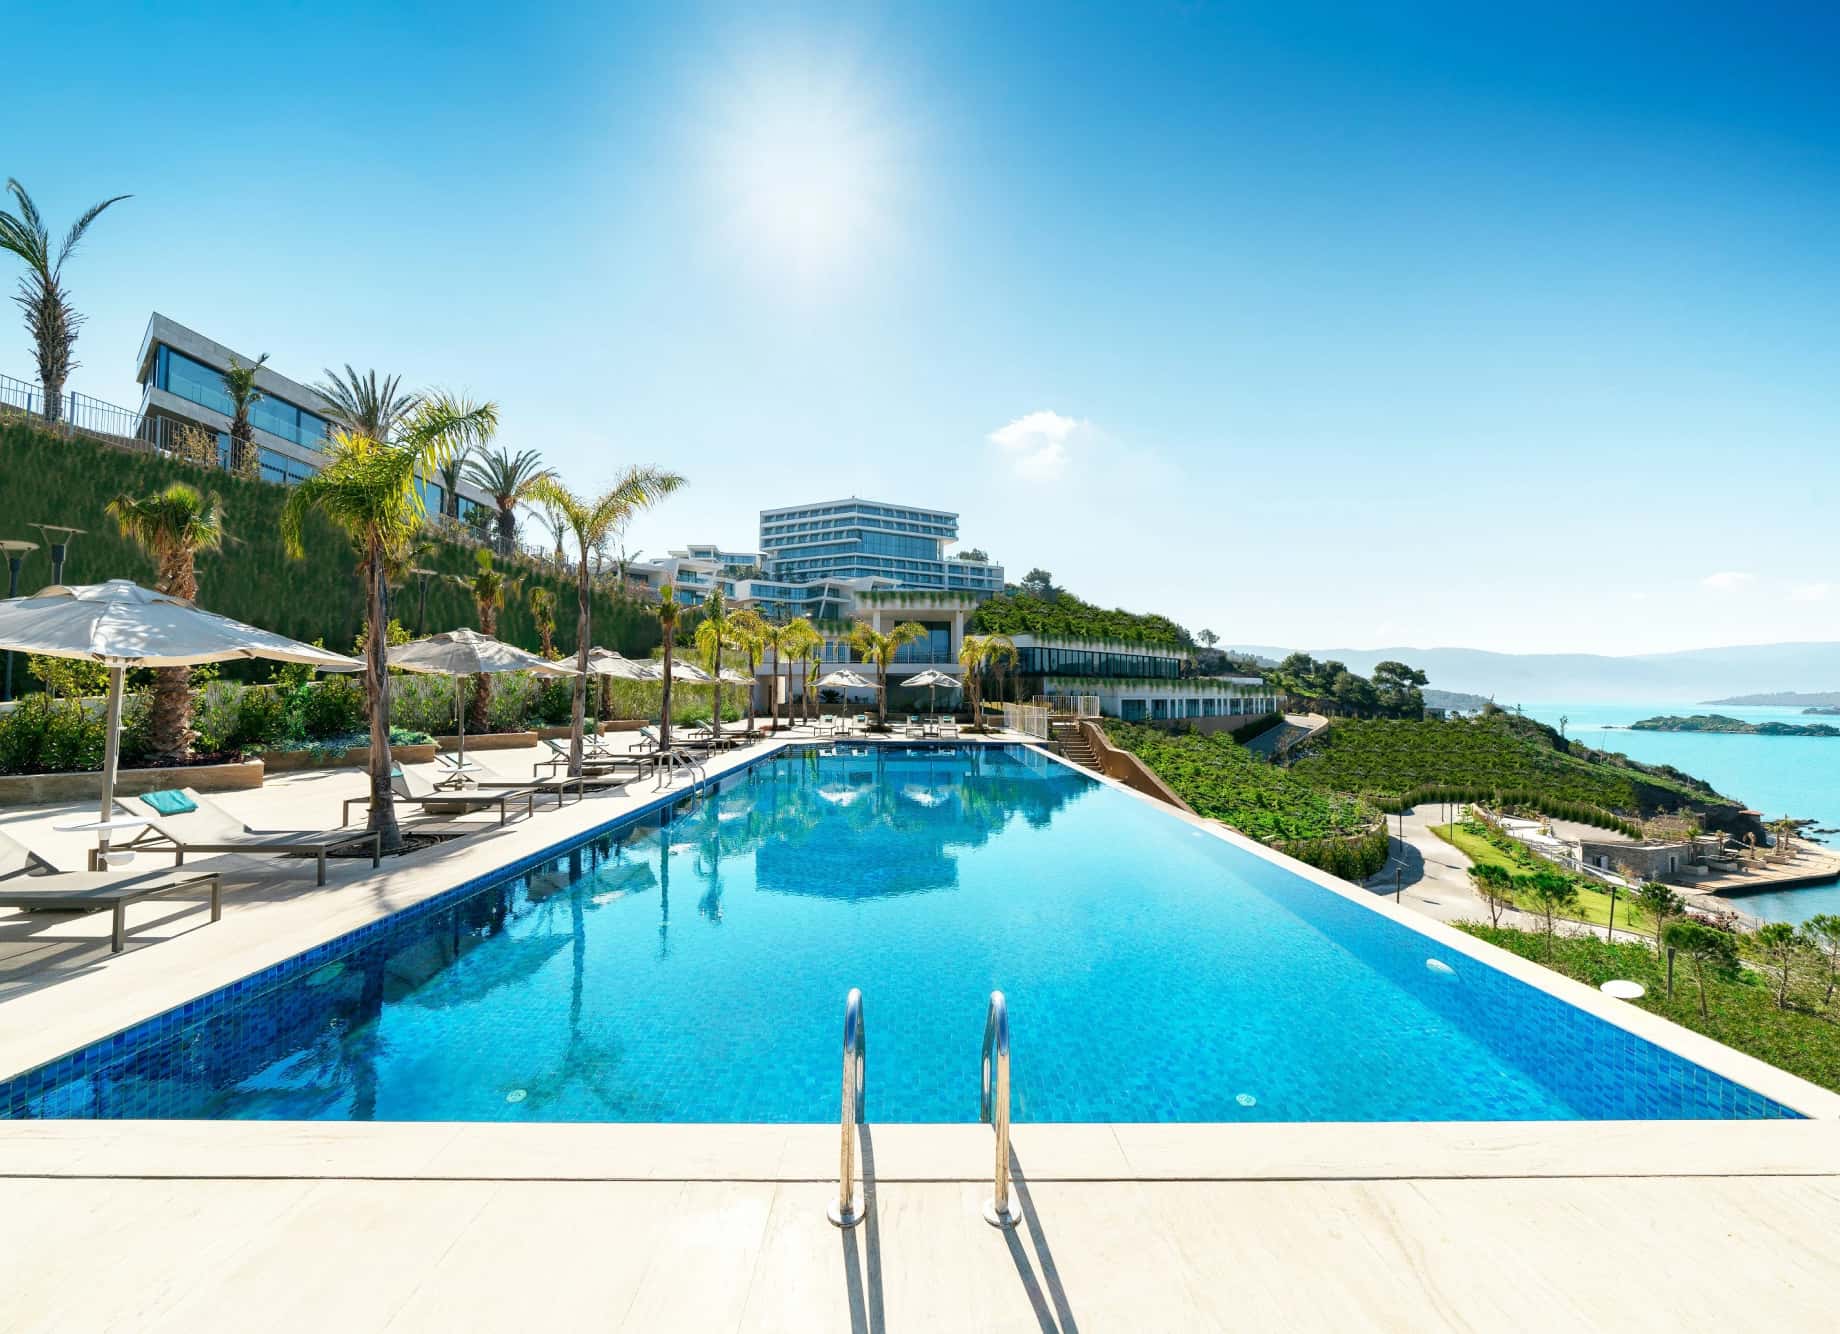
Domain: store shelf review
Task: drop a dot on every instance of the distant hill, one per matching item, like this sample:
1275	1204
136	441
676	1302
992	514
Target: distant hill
1454	699
1786	699
1689	677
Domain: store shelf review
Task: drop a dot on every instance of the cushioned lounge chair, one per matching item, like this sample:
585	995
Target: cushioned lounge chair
209	828
30	882
416	790
593	765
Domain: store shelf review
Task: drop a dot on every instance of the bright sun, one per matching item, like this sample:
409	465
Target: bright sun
803	168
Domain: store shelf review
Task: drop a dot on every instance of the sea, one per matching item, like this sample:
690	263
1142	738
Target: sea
1787	775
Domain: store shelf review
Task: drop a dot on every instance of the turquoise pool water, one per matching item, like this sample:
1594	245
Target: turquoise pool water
693	968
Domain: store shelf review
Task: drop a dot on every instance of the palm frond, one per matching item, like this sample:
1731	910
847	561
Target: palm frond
365	404
80	226
505	476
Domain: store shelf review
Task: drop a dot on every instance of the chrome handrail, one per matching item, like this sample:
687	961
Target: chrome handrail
993	1106
847	1210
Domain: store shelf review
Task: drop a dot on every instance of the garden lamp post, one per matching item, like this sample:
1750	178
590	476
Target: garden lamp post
58	538
15	555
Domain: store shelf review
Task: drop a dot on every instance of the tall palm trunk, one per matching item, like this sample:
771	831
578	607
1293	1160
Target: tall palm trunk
578	698
377	688
507	530
881	696
479	719
773	691
170	723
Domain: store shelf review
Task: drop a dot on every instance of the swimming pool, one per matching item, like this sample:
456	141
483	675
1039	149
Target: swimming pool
691	966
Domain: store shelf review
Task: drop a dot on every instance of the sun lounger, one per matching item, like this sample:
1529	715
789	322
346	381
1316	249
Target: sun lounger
29	882
557	784
209	828
418	791
606	763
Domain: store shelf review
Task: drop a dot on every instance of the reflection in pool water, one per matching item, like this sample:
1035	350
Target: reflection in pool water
695	971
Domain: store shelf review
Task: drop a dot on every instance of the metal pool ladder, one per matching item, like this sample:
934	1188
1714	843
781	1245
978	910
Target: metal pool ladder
847	1209
993	1106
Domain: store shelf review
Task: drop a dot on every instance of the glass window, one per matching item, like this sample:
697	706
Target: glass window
194	381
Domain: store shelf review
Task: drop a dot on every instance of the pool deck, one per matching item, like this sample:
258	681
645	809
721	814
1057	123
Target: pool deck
278	1225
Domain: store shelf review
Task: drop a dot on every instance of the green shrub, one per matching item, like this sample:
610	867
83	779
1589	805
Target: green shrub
46	736
261	719
423	702
514	699
215	715
556	700
333	706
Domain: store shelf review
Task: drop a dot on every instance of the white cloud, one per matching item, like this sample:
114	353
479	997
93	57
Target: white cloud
1725	581
1037	443
1810	592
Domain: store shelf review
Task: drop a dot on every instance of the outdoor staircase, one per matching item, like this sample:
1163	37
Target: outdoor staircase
1071	741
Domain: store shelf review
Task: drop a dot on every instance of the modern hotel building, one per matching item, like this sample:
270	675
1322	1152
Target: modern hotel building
840	561
181	373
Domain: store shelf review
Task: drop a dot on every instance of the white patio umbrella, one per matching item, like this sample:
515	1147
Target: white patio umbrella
605	662
687	672
932	679
845	679
466	653
123	626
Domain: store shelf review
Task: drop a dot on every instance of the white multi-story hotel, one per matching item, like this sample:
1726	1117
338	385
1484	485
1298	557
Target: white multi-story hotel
844	561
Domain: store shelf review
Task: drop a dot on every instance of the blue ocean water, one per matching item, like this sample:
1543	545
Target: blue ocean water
1796	776
695	970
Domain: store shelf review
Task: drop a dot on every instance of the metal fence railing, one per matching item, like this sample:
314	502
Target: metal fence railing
1029	719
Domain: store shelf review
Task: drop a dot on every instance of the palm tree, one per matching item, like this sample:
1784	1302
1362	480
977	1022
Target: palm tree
543	615
802	638
172	526
775	639
591	519
667	613
488	586
712	636
879	647
977	654
240	384
50	318
508	478
368	488
814	669
369	407
748	633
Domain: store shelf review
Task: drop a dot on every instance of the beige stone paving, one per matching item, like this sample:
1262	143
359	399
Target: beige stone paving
1570	1253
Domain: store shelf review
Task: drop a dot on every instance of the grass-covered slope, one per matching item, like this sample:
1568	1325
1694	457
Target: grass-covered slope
1063	616
1517	758
47	479
1224	781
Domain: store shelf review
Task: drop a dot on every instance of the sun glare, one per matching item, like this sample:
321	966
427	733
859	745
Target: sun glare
803	169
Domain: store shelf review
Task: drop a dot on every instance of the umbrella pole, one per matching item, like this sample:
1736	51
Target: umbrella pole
460	773
111	760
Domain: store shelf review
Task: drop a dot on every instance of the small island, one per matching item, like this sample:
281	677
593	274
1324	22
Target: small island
1826	710
1720	723
1784	699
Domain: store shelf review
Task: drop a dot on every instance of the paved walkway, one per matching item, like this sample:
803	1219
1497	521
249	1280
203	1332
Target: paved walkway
1432	875
1124	1228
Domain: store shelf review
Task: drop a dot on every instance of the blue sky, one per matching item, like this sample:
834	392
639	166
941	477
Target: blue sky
1341	325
